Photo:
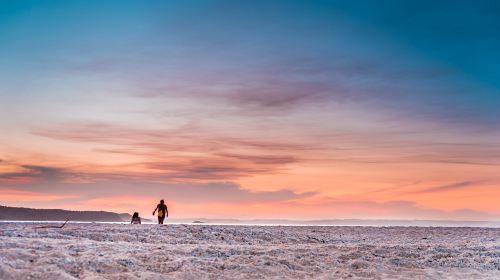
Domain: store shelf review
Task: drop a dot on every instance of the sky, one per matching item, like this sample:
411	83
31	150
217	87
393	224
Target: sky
252	109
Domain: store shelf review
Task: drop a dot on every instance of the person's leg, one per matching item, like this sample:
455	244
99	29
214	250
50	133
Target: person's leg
159	220
162	219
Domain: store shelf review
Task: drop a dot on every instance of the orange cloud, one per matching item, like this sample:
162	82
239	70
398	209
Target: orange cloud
12	195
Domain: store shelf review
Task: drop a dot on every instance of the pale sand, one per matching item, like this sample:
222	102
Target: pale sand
116	251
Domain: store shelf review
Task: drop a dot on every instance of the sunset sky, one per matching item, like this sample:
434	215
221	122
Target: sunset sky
252	109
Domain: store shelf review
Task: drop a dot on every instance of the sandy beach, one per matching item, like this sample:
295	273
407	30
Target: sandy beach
119	251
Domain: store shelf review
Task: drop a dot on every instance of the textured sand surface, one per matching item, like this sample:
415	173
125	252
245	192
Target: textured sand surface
116	251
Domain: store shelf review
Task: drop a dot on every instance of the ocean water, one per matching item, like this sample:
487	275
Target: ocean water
359	223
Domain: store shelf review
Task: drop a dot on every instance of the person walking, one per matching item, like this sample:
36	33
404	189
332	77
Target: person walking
162	211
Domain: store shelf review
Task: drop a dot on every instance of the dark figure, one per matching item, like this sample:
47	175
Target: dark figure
136	219
162	211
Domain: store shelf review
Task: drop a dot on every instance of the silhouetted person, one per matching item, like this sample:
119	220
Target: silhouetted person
135	219
162	211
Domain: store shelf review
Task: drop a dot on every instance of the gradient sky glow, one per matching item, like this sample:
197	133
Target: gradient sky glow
252	109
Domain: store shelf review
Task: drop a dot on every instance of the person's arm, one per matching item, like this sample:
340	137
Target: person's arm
155	210
166	210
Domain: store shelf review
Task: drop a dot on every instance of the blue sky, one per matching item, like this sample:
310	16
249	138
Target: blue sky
435	57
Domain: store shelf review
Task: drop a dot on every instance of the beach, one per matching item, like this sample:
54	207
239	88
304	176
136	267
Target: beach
198	251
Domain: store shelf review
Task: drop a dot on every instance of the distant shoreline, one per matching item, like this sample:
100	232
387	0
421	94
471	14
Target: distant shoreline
8	213
442	224
20	214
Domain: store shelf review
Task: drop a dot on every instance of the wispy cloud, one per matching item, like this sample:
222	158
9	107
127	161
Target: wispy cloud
195	151
449	187
20	196
107	188
28	172
263	159
50	180
392	209
191	154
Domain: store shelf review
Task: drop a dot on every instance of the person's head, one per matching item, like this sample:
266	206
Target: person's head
162	202
136	215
